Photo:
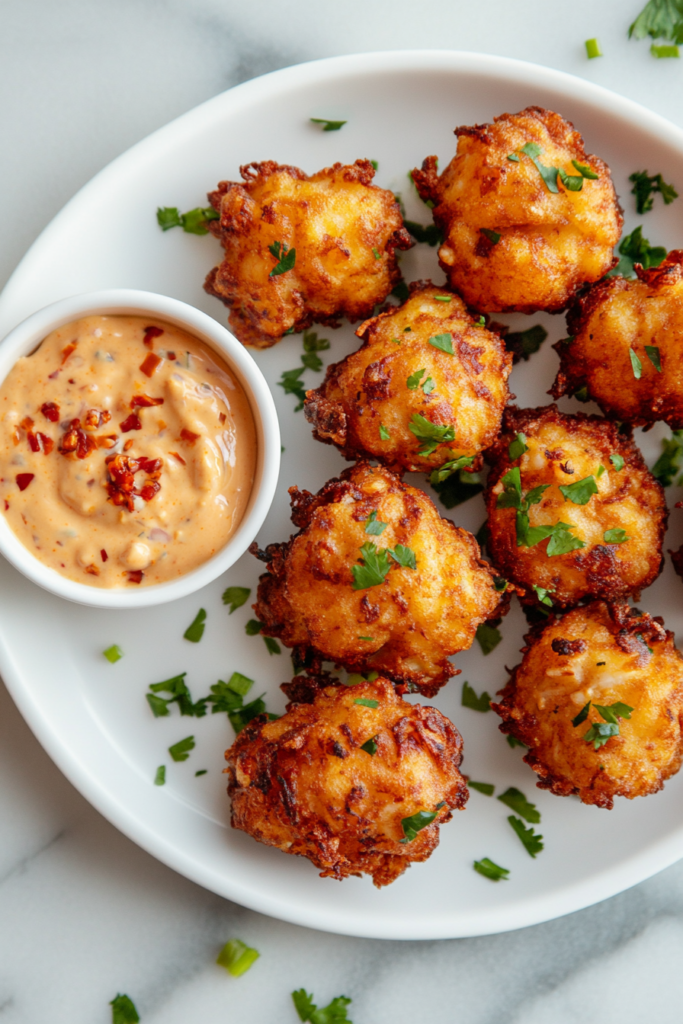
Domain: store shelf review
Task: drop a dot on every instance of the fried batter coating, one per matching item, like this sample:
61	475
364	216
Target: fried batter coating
602	654
620	331
343	230
305	783
403	622
368	402
512	241
622	500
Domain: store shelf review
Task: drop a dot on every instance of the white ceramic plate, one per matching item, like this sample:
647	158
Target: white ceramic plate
92	716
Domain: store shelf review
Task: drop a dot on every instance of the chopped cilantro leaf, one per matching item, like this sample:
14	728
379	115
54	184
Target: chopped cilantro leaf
236	597
488	637
158	705
373	569
513	157
593	49
636	249
437	476
582	715
374	164
374	527
646	186
517	448
123	1011
518	803
511	495
180	695
415	823
366	702
487	788
652	353
237	957
600	732
328	126
370	746
384	434
401	291
253	627
584	171
413	382
272	646
404	556
458	487
180	751
428	386
493	236
581	491
242	716
168	217
615	536
195	631
312	361
533	844
193	222
160	777
333	1013
286	258
312	343
428	233
470	700
543	595
431	434
513	742
549	174
617	461
293	386
670	461
443	341
489	869
636	364
202	771
113	653
561	540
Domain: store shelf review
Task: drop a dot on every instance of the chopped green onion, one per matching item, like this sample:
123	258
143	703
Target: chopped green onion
113	653
487	788
123	1011
366	702
593	49
237	957
160	777
330	126
664	51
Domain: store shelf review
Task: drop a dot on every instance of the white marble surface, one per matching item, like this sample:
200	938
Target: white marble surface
84	913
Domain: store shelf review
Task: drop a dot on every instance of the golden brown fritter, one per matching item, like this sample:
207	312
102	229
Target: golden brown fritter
425	360
310	783
517	239
335	230
612	496
334	592
626	346
603	655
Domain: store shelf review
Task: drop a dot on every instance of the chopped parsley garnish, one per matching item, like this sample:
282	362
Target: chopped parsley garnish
584	171
493	236
237	957
416	822
437	476
253	627
374	526
615	536
113	653
413	382
242	716
513	157
601	470
600	732
374	567
312	343
333	1013
180	751
384	434
180	695
228	697
593	49
376	253
236	597
533	844
488	637
670	461
561	541
489	869
375	164
195	631
272	646
543	595
528	536
646	186
581	491
513	742
370	746
291	379
428	386
329	126
293	386
636	249
523	344
617	461
286	258
160	777
459	486
443	341
652	353
401	291
123	1011
430	433
518	803
194	221
517	448
572	182
487	788
366	702
202	771
636	364
470	700
428	233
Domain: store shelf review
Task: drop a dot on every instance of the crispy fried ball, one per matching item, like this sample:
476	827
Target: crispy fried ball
333	779
563	451
428	359
322	597
344	232
620	332
517	239
606	655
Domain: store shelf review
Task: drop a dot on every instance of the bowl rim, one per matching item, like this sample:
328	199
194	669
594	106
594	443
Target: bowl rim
25	337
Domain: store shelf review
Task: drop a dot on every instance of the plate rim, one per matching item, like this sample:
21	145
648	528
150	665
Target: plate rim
602	885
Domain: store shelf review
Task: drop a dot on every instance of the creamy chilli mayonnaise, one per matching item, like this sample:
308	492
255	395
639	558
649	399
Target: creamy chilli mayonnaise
127	451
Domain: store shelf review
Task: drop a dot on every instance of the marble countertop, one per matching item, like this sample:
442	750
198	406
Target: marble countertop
84	913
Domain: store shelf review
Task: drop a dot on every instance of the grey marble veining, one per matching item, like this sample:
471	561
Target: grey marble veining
84	913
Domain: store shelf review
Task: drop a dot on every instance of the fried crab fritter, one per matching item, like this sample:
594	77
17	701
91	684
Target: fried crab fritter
598	700
626	346
526	214
303	249
340	781
428	359
375	580
573	511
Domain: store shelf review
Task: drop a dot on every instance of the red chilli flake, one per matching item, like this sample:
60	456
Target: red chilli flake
69	350
121	486
50	411
23	480
180	459
76	442
144	401
187	435
131	422
149	364
92	569
40	442
135	576
103	555
6	505
150	333
94	419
